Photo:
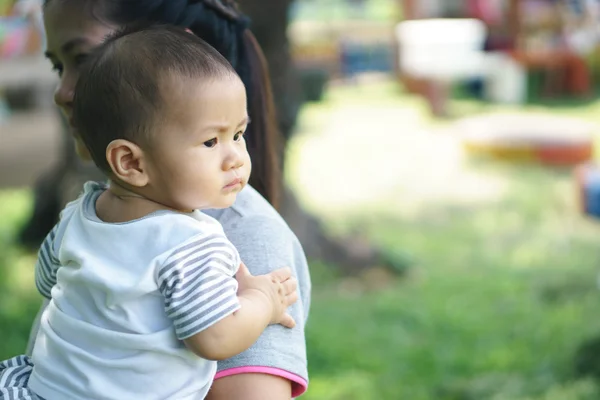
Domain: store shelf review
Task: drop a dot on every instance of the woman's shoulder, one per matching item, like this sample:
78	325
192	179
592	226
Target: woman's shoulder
265	242
262	237
251	213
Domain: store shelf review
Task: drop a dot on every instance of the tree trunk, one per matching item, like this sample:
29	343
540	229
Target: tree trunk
269	25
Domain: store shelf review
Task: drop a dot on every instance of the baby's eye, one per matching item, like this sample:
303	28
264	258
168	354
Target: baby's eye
238	136
211	143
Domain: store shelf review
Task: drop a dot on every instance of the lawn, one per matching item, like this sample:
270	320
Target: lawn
503	289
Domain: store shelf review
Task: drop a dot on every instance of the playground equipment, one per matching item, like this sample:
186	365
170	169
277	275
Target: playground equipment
542	138
442	49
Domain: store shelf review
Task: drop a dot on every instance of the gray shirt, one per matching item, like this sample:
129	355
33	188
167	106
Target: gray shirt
265	243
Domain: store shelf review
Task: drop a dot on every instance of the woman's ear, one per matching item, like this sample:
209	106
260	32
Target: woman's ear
127	162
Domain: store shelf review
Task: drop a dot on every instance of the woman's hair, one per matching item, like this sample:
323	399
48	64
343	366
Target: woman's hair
223	26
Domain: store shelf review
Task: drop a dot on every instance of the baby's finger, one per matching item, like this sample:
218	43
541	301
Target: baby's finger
287	321
281	274
289	286
291	298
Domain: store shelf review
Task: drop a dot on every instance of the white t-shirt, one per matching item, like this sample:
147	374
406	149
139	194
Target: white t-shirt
123	296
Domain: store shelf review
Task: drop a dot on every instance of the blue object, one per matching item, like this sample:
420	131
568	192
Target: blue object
358	57
591	189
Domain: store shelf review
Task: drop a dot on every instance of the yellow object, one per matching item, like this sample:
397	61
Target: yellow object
505	153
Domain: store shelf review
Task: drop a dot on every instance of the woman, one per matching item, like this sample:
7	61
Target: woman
275	367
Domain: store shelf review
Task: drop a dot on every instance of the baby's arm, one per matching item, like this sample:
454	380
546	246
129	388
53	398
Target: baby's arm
210	315
263	299
47	265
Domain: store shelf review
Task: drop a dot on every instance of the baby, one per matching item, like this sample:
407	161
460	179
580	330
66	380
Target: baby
143	288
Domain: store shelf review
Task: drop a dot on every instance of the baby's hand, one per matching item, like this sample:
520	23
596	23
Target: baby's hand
279	288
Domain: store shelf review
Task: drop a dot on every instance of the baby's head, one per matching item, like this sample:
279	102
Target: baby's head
163	114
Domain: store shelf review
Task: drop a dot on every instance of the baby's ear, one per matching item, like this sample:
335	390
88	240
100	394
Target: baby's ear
126	160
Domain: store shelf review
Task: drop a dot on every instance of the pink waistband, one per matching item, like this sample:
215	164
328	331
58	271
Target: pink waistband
299	384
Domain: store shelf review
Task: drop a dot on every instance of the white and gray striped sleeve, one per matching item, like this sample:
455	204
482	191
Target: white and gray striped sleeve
198	283
46	266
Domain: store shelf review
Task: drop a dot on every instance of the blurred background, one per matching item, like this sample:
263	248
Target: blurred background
458	135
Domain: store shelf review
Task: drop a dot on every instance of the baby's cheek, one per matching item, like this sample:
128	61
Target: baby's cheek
248	166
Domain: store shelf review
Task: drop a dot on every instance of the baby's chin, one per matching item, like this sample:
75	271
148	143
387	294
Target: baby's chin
224	202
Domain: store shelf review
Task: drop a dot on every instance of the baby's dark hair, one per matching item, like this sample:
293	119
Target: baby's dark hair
118	93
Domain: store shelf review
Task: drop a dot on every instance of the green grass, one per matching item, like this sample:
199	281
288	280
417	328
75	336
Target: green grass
496	309
18	299
486	314
503	293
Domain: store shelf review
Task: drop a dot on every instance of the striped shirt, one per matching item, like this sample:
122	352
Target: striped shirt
46	266
196	281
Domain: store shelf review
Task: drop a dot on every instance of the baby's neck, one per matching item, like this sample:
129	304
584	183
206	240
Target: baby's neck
118	204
